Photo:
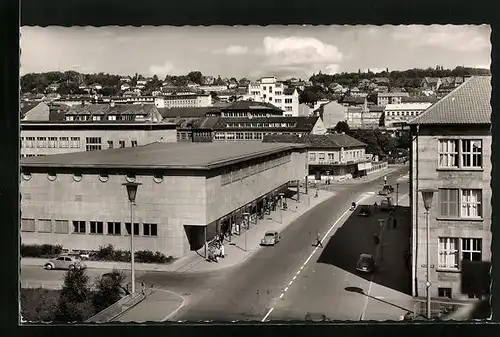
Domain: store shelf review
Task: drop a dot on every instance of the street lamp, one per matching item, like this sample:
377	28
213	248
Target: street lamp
427	195
247	220
397	194
132	192
281	207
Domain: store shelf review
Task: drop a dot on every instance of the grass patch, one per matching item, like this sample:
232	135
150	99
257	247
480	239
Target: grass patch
39	305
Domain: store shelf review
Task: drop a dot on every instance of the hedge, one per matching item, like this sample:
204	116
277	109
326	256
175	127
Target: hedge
40	250
108	253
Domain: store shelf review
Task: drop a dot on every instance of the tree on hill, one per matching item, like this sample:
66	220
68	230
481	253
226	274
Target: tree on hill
342	126
195	77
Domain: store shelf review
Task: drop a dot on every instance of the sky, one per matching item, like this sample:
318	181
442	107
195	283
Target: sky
252	51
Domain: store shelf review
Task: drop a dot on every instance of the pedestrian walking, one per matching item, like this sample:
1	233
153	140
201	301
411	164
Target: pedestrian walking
222	251
385	180
318	240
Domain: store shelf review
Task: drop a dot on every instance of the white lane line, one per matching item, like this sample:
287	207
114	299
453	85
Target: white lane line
178	308
290	283
293	278
267	315
364	196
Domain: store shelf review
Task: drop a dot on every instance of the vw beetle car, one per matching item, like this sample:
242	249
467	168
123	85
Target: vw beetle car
270	238
65	262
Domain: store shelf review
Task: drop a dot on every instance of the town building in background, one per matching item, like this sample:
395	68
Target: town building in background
189	194
91	127
451	153
331	113
384	98
398	115
269	90
332	157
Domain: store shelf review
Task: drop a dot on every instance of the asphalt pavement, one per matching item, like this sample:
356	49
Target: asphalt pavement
251	290
329	285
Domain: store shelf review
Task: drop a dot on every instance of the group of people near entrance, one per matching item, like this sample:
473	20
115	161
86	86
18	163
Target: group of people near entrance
216	251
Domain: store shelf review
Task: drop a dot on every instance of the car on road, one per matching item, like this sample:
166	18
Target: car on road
365	211
386	204
65	262
270	238
387	189
366	263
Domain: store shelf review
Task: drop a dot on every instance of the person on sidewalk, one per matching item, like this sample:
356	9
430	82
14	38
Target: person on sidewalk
385	180
318	240
222	251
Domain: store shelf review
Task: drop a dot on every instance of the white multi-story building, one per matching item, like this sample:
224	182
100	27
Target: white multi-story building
396	115
190	100
269	90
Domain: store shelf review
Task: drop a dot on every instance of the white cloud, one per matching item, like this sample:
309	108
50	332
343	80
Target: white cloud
299	55
233	50
456	38
161	70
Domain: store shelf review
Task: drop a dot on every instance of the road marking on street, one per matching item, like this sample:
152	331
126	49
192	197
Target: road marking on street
267	315
293	279
290	283
178	308
363	197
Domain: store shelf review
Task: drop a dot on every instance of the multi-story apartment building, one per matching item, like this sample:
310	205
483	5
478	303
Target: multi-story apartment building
269	90
384	98
95	127
184	100
397	115
365	117
451	154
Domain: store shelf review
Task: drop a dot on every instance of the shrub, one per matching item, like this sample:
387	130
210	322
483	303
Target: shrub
147	256
40	250
75	301
39	305
109	289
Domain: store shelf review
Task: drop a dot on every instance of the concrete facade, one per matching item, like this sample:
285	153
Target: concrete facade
395	114
333	112
183	101
426	173
268	89
171	200
45	139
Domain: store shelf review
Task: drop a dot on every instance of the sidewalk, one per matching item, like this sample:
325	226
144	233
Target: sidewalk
362	180
236	252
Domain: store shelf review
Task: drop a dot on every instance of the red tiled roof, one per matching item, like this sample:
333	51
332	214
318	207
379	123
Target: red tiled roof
467	104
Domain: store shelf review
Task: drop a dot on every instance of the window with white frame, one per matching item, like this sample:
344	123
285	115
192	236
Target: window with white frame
30	142
470	202
27	225
79	227
96	227
75	142
321	156
41	142
61	226
472	153
471	249
93	144
312	156
248	135
448	253
448	203
52	142
448	153
128	227
150	229
63	142
44	225
460	153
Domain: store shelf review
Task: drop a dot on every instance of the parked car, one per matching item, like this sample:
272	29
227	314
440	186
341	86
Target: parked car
365	211
366	263
84	255
65	262
386	204
270	238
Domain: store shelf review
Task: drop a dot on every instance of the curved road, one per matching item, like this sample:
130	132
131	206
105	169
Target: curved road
248	291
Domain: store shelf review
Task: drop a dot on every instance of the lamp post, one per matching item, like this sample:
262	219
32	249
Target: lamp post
281	207
132	192
397	194
247	221
427	195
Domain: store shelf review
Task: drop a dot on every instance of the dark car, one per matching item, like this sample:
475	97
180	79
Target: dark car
386	204
366	263
365	211
387	189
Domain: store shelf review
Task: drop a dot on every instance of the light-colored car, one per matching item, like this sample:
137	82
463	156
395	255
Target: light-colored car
64	262
366	263
386	204
270	238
